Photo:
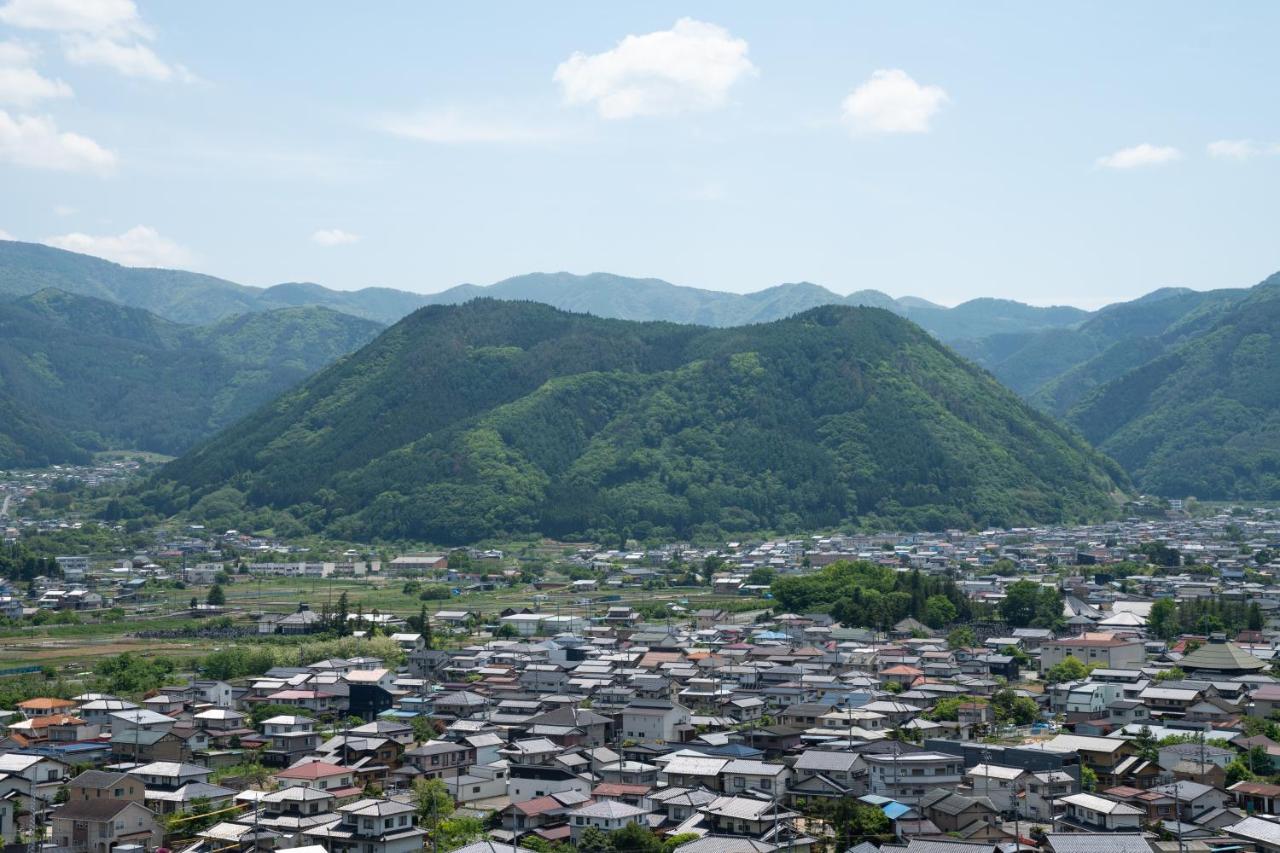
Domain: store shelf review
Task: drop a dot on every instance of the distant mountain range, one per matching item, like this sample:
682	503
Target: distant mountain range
79	374
182	297
185	297
494	418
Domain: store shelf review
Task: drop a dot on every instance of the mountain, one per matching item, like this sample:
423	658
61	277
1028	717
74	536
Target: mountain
185	297
607	295
182	297
79	373
1055	367
495	417
1201	416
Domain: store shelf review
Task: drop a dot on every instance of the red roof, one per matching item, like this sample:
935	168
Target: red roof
313	770
901	669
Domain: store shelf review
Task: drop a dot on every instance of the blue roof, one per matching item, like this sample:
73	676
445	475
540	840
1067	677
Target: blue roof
895	810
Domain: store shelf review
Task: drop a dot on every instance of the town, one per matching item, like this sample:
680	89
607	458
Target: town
1109	686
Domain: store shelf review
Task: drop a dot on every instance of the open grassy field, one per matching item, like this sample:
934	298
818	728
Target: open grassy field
72	648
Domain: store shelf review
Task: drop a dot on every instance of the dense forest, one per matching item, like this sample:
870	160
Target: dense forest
79	374
1203	418
493	418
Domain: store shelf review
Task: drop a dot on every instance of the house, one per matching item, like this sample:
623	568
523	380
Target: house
655	720
744	775
744	815
100	825
1045	790
104	785
320	776
440	759
44	706
371	826
952	811
1109	651
907	777
41	775
605	815
1091	813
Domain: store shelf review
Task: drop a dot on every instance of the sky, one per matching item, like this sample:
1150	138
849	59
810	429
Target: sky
1056	153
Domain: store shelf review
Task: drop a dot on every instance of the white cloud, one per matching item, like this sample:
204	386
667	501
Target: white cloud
691	66
140	246
20	84
450	127
5	235
64	209
1140	155
334	237
891	102
106	33
105	17
1240	149
131	60
36	142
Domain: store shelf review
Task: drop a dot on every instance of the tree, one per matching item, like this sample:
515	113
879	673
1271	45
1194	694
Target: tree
458	832
1254	618
634	838
939	611
1028	603
1069	669
433	802
1145	744
216	597
342	625
422	728
506	630
594	840
1088	778
1009	707
195	602
1162	622
1173	673
761	576
962	638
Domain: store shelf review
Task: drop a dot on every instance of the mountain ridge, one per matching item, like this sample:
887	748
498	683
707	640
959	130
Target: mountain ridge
79	373
500	418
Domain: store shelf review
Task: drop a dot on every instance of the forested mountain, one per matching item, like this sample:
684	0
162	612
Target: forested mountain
1056	367
492	417
1202	416
79	373
182	297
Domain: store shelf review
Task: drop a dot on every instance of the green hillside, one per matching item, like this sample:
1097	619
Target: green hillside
79	374
1202	417
495	417
1054	367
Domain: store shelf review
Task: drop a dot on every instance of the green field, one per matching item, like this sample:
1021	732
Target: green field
73	648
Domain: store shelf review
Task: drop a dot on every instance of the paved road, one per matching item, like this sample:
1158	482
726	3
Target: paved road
4	507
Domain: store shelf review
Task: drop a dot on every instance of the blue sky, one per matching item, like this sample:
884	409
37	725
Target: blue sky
1054	153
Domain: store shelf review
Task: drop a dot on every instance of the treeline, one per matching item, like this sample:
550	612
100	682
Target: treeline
19	564
1169	618
254	659
862	594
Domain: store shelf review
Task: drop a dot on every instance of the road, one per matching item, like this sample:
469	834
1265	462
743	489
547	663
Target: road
4	507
